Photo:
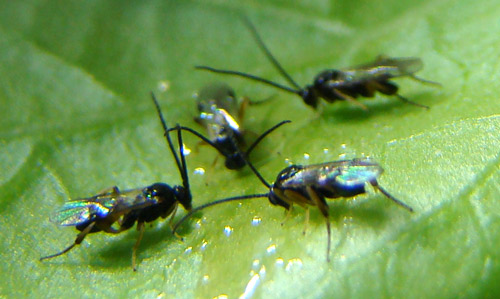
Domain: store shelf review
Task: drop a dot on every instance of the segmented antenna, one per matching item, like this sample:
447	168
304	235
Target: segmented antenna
248	76
213	203
182	167
263	135
250	149
268	53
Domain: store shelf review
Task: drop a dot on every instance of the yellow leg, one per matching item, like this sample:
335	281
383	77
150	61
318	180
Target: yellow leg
323	207
422	80
306	223
79	239
349	99
140	228
288	213
111	190
171	220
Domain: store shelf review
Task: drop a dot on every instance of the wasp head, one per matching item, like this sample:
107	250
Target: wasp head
184	197
309	96
275	198
276	195
234	161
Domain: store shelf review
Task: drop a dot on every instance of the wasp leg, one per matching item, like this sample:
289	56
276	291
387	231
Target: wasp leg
349	99
323	207
388	195
410	102
380	58
79	239
385	87
292	197
111	190
243	107
389	88
198	120
247	102
200	144
422	80
172	221
214	163
306	223
288	213
140	228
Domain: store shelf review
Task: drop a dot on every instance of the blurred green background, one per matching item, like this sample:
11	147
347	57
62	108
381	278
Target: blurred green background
76	118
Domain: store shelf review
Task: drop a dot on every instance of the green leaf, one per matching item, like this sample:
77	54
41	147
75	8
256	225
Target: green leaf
76	118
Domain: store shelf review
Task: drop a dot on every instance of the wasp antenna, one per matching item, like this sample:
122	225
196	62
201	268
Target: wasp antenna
213	203
397	201
268	53
246	158
248	76
183	170
256	142
169	140
196	133
261	178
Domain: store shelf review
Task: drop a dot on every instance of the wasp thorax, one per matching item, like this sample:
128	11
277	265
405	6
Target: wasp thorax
328	75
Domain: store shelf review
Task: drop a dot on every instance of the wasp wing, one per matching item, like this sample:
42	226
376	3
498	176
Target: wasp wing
336	179
78	211
383	68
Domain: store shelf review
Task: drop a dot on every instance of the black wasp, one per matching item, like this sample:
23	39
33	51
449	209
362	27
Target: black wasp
221	114
342	84
309	185
114	211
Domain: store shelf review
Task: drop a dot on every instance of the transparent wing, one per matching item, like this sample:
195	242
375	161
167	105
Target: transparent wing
343	173
384	67
78	211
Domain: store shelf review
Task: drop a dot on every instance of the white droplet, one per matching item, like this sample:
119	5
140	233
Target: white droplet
199	170
251	286
186	150
293	264
271	249
163	85
204	244
256	220
255	264
228	230
280	262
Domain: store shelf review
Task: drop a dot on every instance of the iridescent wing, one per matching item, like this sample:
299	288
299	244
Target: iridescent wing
345	174
78	211
384	68
356	173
